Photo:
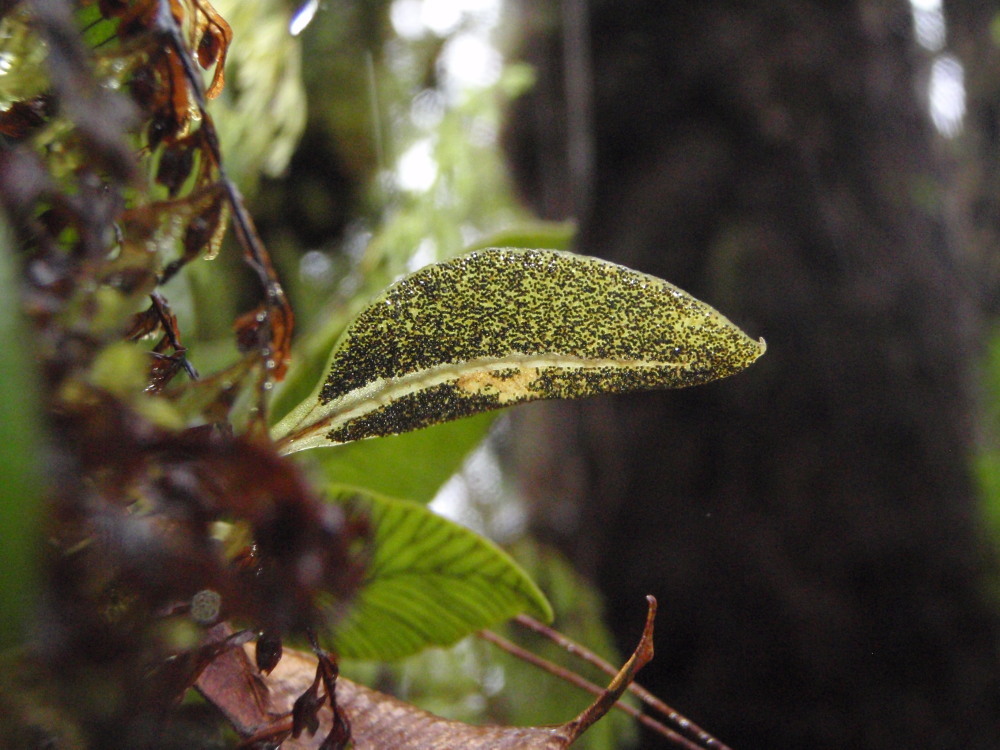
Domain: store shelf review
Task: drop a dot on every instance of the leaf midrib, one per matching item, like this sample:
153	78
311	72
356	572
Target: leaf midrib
383	391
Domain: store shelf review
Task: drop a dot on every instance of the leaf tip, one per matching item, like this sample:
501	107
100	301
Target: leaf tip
543	610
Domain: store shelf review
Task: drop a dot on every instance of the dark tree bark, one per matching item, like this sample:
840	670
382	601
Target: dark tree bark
975	198
810	526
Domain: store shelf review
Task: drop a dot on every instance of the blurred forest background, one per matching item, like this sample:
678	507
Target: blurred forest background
814	530
821	530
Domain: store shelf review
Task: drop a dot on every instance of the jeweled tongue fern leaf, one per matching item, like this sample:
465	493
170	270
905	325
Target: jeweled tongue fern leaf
504	326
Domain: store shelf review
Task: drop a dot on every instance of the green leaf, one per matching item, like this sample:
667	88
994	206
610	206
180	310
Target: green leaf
552	235
20	479
499	327
411	466
429	582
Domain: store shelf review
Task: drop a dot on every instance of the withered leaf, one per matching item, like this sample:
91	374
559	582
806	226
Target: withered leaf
267	652
216	36
143	324
22	118
279	321
207	227
175	165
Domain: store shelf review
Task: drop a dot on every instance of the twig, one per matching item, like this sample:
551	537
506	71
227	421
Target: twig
606	698
169	323
684	724
583	684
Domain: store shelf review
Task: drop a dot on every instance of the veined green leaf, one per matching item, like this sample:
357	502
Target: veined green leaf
429	582
502	326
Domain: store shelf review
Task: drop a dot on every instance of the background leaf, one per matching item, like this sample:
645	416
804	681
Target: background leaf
412	466
429	582
498	327
552	235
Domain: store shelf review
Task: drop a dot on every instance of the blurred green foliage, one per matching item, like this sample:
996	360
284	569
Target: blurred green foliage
261	112
21	487
987	462
22	63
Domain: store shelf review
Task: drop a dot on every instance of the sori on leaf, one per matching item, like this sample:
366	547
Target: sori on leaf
503	326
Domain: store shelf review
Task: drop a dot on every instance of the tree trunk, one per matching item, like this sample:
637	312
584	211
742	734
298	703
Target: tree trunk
809	526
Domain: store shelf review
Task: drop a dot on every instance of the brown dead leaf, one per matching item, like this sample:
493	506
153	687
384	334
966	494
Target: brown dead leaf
259	707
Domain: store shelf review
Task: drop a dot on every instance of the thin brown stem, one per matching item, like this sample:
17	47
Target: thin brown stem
642	656
683	724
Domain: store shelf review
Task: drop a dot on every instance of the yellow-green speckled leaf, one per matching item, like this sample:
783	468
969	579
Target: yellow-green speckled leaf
429	582
502	326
